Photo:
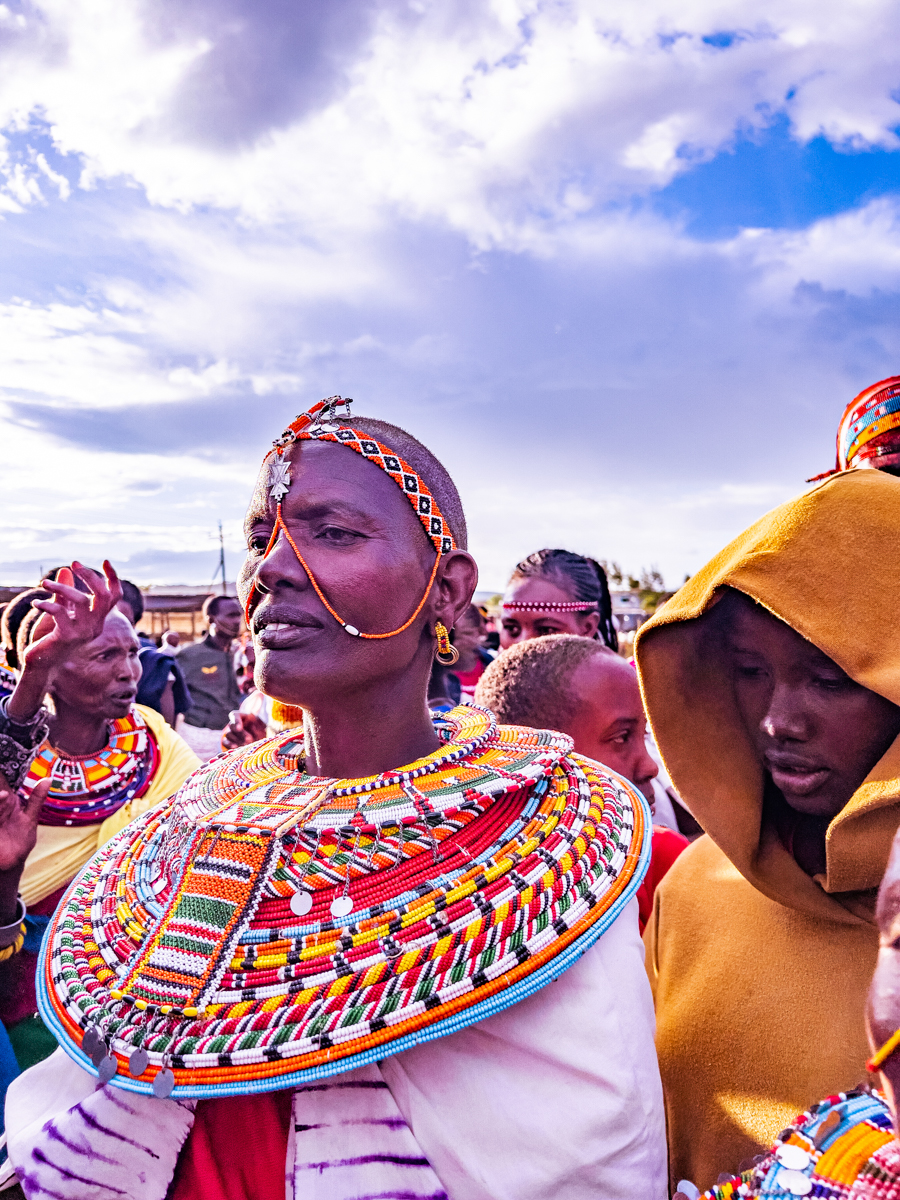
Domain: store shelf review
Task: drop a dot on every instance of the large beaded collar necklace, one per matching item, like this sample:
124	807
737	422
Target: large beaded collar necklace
267	927
88	788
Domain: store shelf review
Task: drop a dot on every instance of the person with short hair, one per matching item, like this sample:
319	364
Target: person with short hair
208	666
582	688
389	954
557	591
93	756
162	685
469	640
772	680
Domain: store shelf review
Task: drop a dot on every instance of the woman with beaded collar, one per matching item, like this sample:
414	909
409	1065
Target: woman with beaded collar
330	951
71	728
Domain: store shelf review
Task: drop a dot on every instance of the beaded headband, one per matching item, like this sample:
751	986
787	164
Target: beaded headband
320	423
549	606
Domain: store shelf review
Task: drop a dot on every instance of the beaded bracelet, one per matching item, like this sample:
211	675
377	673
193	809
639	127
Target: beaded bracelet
10	951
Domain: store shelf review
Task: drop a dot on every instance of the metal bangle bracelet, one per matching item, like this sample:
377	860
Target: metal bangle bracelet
9	933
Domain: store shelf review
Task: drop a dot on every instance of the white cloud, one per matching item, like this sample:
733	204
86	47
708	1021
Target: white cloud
505	117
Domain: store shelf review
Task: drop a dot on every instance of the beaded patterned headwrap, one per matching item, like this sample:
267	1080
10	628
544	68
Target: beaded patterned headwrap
870	428
321	423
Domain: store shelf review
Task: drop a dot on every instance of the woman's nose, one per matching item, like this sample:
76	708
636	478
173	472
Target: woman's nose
786	719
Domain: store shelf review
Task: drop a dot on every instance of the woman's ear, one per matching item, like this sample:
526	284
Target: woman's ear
454	587
590	625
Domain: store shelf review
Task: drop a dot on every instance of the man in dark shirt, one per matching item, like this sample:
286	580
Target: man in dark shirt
208	666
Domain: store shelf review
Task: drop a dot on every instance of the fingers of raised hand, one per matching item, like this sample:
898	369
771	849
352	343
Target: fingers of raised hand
113	583
35	801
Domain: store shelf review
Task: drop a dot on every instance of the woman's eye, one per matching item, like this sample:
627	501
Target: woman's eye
257	543
748	672
332	533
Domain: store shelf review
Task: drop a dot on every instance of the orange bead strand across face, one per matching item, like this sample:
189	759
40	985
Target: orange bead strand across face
351	629
320	424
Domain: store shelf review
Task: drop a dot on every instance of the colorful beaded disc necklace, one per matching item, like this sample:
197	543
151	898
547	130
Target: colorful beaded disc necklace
268	927
88	788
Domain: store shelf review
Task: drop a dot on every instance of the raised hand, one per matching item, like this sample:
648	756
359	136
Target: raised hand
241	730
72	617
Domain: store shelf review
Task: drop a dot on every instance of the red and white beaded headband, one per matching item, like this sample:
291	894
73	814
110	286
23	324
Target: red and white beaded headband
320	423
565	606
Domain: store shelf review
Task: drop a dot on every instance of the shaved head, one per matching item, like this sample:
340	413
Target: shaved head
530	683
434	474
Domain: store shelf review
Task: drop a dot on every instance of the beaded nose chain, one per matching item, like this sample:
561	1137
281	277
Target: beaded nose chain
320	423
880	1057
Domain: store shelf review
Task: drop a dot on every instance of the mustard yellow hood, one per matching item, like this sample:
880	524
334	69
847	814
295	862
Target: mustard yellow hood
828	564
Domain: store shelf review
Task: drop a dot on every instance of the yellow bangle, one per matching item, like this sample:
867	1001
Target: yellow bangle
9	951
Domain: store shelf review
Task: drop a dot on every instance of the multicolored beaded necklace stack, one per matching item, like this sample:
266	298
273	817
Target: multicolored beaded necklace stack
841	1149
88	788
268	927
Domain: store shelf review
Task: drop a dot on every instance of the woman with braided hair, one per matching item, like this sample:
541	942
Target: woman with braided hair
324	962
557	591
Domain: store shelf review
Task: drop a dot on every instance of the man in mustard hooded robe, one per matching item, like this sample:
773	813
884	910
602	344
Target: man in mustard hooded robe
760	965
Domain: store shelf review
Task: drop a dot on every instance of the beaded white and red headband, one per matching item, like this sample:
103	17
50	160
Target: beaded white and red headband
565	606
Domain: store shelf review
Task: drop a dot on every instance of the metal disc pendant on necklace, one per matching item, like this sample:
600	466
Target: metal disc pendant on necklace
90	1040
106	1068
99	1052
138	1062
301	903
163	1082
341	906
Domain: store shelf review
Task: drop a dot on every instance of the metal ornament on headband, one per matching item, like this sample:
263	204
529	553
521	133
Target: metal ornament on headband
321	423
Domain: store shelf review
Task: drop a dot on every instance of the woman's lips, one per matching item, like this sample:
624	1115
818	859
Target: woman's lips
282	635
798	780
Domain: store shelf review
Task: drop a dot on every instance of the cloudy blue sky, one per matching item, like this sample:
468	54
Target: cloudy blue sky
622	265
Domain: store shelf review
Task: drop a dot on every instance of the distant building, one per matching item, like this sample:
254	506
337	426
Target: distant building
627	610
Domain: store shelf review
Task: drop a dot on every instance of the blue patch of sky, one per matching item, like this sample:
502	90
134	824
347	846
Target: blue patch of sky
772	181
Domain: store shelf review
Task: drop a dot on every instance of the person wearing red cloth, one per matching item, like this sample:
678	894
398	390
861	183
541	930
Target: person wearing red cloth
468	638
364	914
579	687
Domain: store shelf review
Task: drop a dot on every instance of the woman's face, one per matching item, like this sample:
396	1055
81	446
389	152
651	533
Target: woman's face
817	732
521	625
372	560
101	677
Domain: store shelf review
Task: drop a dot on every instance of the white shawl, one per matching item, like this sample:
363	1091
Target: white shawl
557	1098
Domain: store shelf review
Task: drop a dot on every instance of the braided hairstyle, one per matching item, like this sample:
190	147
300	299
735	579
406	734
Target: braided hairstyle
582	577
17	625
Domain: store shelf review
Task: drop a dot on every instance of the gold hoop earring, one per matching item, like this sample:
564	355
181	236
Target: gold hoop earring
447	653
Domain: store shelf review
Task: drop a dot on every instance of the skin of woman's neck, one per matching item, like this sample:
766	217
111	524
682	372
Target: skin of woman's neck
76	732
348	736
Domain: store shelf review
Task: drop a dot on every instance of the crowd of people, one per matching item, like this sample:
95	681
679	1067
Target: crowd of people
406	899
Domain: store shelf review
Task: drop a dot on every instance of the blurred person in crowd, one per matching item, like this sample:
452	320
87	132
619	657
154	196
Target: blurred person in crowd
773	683
556	591
491	1032
468	638
7	674
169	641
491	630
581	687
95	757
444	690
161	685
869	432
208	666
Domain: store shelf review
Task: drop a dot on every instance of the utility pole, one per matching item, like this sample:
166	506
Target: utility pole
222	557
